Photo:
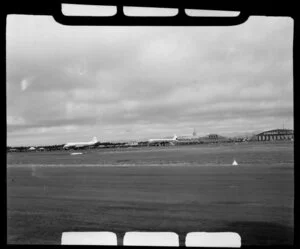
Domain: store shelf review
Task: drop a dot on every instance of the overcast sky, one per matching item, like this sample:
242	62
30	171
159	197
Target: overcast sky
68	84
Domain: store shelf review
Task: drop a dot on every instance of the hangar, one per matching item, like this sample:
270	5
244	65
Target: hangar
278	134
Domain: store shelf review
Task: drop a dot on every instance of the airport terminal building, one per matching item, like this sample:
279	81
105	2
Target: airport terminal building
273	135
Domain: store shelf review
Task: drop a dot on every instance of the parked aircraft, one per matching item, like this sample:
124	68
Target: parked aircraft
163	141
80	144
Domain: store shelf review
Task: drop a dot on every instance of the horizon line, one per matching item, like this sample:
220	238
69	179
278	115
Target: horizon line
146	139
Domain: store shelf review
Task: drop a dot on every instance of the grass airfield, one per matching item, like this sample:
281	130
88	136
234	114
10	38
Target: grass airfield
178	188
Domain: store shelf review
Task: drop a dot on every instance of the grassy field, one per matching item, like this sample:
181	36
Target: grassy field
181	189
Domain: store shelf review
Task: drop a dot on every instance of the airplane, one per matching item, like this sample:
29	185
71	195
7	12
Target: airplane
163	141
76	145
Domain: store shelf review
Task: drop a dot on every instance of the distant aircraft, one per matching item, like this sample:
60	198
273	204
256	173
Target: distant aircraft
163	141
76	145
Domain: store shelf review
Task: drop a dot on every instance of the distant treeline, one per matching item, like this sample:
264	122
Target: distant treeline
278	134
60	147
123	145
26	148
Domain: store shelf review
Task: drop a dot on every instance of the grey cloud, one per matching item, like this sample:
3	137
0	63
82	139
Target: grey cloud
123	77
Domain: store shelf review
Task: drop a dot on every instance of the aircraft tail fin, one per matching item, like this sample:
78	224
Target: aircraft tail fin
94	140
175	137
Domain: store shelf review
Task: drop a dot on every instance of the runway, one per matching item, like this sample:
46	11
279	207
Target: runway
255	199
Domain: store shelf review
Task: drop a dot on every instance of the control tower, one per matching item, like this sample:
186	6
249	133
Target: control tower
194	133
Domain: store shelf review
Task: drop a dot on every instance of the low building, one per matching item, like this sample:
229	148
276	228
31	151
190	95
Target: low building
214	138
132	143
273	135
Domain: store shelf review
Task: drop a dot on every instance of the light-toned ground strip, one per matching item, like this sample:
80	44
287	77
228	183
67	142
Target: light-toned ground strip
121	165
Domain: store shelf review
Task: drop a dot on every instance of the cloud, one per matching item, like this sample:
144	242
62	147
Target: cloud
133	82
26	82
14	120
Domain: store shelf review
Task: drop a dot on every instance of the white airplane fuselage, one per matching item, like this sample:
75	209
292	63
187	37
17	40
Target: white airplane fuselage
80	144
163	140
